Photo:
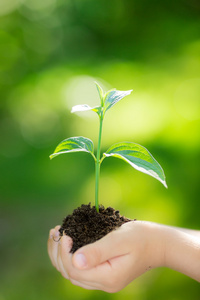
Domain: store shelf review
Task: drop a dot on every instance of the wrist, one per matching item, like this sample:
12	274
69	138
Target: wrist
156	244
148	236
182	252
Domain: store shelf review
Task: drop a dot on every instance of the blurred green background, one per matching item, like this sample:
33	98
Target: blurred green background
51	52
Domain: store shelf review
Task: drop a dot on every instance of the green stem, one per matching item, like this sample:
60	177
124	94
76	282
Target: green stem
98	163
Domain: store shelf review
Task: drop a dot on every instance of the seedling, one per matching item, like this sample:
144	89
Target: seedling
134	154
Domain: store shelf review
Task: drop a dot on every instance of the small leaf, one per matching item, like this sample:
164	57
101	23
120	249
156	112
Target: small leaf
139	158
74	144
112	97
100	91
84	107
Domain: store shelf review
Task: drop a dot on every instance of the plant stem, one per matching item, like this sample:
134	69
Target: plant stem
98	163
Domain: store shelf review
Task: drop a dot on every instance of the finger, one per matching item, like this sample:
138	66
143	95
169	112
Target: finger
110	276
103	277
50	239
64	252
51	233
76	276
83	285
95	277
110	246
98	278
56	233
61	267
50	246
53	245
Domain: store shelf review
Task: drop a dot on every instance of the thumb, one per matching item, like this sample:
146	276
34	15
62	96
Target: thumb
108	247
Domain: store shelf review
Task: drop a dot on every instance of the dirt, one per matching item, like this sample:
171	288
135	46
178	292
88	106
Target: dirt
85	225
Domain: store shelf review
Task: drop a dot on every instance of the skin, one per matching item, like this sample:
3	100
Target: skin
114	261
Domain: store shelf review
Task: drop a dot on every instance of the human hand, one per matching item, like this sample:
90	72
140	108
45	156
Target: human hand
112	262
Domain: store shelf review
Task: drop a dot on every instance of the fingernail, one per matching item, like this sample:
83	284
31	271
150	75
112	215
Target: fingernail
57	233
80	260
51	234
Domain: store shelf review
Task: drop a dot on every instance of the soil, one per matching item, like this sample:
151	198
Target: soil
85	225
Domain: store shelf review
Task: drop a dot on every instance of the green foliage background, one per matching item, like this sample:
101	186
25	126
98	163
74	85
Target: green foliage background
51	52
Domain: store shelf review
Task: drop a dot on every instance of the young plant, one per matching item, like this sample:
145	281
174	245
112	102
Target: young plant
135	155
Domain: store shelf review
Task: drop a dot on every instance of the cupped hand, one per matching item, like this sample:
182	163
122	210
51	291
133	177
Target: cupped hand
112	262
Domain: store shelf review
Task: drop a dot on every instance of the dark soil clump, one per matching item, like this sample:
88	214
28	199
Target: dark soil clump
86	226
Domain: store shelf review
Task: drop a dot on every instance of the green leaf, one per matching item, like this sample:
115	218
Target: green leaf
74	144
100	91
85	107
139	158
112	97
